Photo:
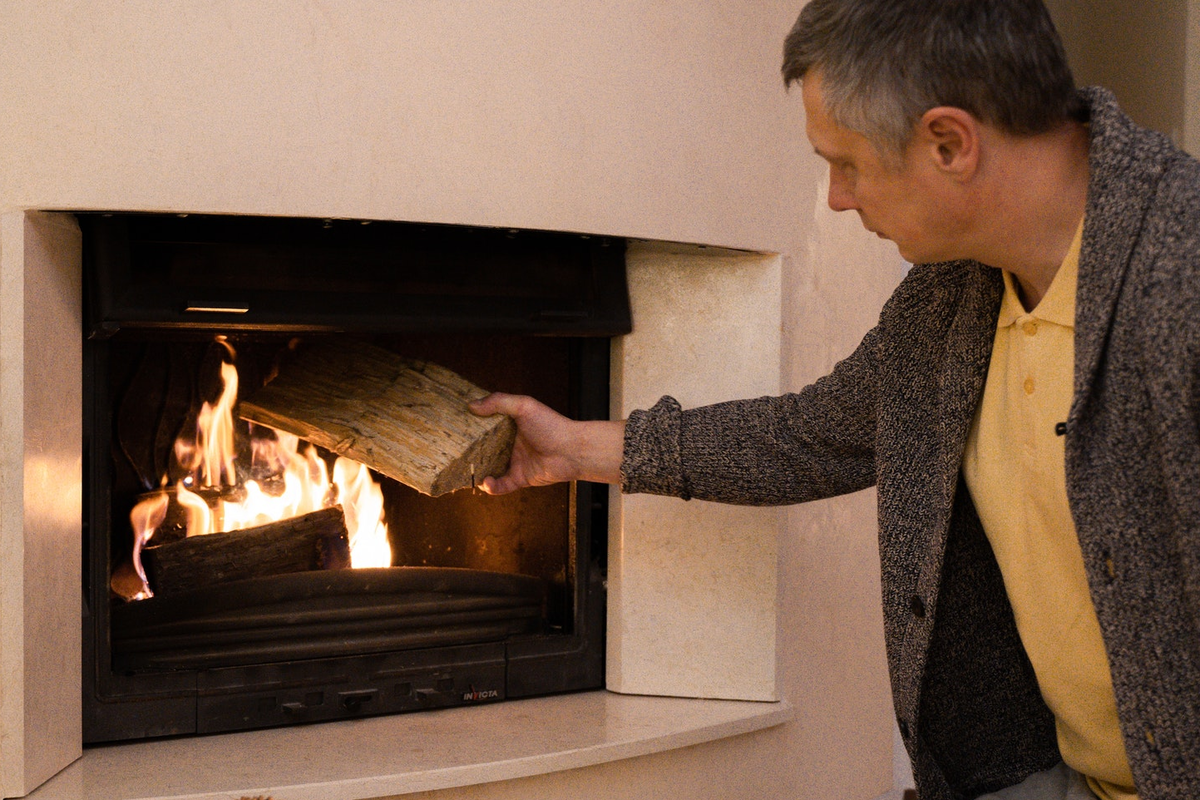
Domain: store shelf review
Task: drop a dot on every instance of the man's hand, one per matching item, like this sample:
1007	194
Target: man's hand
550	448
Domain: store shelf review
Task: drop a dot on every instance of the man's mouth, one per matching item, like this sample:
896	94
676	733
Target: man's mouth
869	229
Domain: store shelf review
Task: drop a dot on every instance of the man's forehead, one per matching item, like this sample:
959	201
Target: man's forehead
828	139
815	118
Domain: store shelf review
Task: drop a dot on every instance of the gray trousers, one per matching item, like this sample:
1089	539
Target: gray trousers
1057	783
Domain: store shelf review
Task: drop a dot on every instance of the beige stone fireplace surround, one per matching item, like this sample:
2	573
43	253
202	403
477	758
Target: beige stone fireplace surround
744	651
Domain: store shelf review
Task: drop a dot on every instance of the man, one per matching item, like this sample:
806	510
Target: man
1027	405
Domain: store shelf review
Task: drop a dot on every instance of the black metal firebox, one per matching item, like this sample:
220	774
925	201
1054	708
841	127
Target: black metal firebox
486	598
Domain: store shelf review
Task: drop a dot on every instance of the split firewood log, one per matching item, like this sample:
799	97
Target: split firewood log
404	418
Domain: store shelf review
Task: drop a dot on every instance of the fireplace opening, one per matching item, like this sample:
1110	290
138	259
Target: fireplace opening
477	598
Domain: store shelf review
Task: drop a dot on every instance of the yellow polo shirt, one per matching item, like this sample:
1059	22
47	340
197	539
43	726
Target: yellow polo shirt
1015	470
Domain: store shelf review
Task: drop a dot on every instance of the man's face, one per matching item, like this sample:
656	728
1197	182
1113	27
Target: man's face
896	198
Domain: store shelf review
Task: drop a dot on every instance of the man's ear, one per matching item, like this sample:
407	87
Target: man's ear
951	137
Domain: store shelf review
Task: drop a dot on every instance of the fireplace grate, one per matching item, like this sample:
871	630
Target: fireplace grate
324	614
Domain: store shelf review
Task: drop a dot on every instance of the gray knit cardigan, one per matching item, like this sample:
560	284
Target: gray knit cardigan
896	414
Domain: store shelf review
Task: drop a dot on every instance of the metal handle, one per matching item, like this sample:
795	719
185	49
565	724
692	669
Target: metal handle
215	308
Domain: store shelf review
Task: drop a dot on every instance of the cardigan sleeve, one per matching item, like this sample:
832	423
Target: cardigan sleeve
815	443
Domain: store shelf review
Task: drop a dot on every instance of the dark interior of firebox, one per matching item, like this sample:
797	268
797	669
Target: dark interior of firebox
156	388
485	597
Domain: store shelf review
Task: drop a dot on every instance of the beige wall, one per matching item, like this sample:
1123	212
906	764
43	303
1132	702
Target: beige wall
654	119
40	502
661	119
1140	49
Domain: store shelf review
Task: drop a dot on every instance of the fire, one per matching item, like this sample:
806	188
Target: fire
146	518
363	504
222	493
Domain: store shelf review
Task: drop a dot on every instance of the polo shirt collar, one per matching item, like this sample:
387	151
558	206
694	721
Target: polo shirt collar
1058	304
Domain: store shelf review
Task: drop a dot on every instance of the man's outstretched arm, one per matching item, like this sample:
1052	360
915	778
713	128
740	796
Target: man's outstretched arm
550	448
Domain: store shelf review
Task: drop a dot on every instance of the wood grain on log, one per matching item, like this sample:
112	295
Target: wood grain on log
313	541
404	418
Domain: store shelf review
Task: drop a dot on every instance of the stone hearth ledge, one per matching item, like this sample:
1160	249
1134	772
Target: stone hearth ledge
395	755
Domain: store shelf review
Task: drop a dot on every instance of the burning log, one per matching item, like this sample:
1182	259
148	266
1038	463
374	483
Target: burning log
313	541
404	418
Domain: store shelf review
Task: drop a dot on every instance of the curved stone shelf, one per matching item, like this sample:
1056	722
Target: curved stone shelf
387	756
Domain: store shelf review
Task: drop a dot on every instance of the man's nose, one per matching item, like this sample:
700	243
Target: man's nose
840	196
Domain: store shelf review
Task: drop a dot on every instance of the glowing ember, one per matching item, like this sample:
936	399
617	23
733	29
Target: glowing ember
222	493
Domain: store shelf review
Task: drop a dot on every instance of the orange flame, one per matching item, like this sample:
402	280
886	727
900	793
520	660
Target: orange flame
199	516
146	518
292	483
362	500
215	433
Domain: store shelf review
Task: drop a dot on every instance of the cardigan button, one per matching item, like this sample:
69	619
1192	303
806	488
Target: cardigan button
917	606
904	728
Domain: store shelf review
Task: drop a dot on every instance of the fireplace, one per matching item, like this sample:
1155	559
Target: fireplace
475	114
481	599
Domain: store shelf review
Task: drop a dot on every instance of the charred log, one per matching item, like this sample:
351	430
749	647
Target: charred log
314	541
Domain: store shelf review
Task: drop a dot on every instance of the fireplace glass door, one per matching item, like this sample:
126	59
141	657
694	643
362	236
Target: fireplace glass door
239	577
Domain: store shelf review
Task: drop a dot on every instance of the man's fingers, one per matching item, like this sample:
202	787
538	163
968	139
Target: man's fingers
501	485
494	403
489	486
497	403
540	443
483	406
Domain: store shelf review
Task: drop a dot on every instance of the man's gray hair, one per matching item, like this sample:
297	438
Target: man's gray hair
884	63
